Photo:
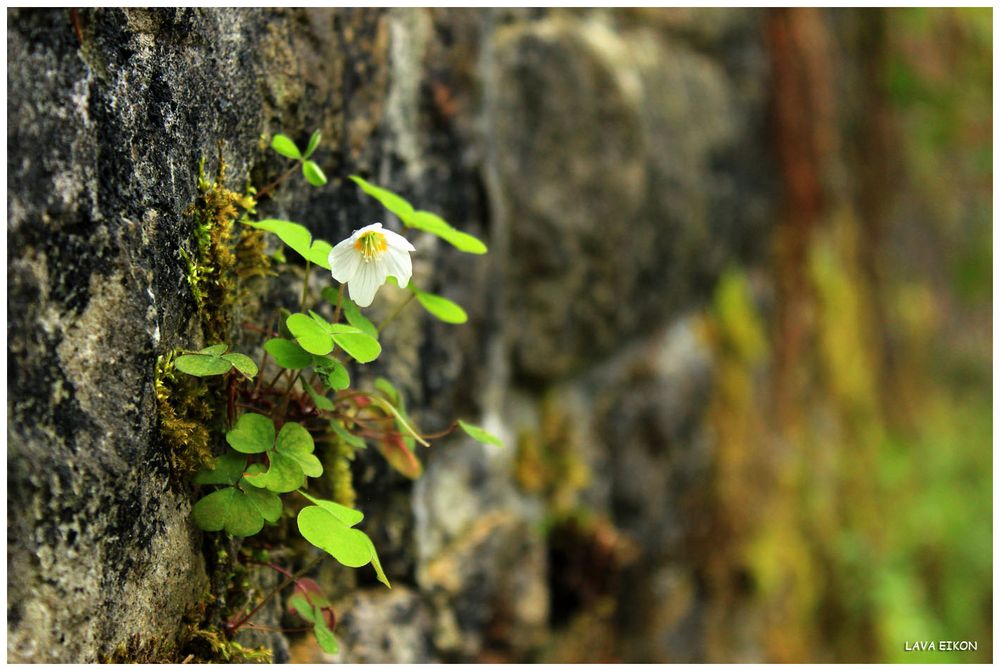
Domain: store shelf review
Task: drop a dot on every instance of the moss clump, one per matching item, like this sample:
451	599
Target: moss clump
185	413
195	645
548	461
211	645
227	250
138	650
226	254
338	470
200	639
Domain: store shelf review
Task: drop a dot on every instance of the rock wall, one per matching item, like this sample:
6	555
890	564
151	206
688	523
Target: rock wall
615	162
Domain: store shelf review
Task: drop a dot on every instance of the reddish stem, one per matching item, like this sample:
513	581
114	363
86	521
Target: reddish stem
340	302
267	189
232	627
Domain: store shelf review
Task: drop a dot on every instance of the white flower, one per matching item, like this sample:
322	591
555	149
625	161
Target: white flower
363	261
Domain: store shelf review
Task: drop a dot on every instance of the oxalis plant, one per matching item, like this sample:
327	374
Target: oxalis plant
301	392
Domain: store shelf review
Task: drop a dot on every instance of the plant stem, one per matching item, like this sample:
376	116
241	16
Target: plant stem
263	627
255	408
277	377
267	189
287	397
248	326
288	581
260	372
340	303
441	434
305	287
395	313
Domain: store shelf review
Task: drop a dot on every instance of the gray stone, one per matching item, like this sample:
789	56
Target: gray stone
480	556
620	175
378	626
612	161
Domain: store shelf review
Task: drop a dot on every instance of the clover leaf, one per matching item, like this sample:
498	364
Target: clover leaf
290	461
226	470
313	173
317	336
252	434
242	363
432	223
363	348
313	143
315	610
442	308
320	401
421	219
287	354
354	317
311	336
238	510
328	526
395	204
299	239
212	361
480	434
205	362
348	516
285	146
348	437
334	374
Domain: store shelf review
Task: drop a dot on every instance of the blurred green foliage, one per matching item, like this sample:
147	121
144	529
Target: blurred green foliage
865	520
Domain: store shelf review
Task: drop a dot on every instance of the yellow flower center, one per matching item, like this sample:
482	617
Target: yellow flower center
371	245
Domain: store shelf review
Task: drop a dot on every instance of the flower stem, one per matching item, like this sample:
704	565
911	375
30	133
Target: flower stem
441	434
260	372
287	397
277	377
395	313
288	581
340	302
267	189
305	287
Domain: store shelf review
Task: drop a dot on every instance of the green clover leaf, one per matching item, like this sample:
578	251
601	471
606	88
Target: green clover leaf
327	525
480	434
237	510
290	461
252	434
226	470
287	354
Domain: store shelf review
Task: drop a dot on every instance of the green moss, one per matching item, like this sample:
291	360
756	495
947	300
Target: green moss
227	254
186	413
337	482
340	474
227	251
196	642
138	650
211	645
196	645
549	462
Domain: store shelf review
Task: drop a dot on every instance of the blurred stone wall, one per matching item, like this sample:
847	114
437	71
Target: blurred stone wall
615	162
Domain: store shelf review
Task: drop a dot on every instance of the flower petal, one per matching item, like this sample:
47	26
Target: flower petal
398	265
344	261
397	241
361	231
366	281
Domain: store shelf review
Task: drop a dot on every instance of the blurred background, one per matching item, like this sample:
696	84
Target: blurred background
735	325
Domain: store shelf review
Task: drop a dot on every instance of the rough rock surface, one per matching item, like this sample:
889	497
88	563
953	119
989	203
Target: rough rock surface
612	160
